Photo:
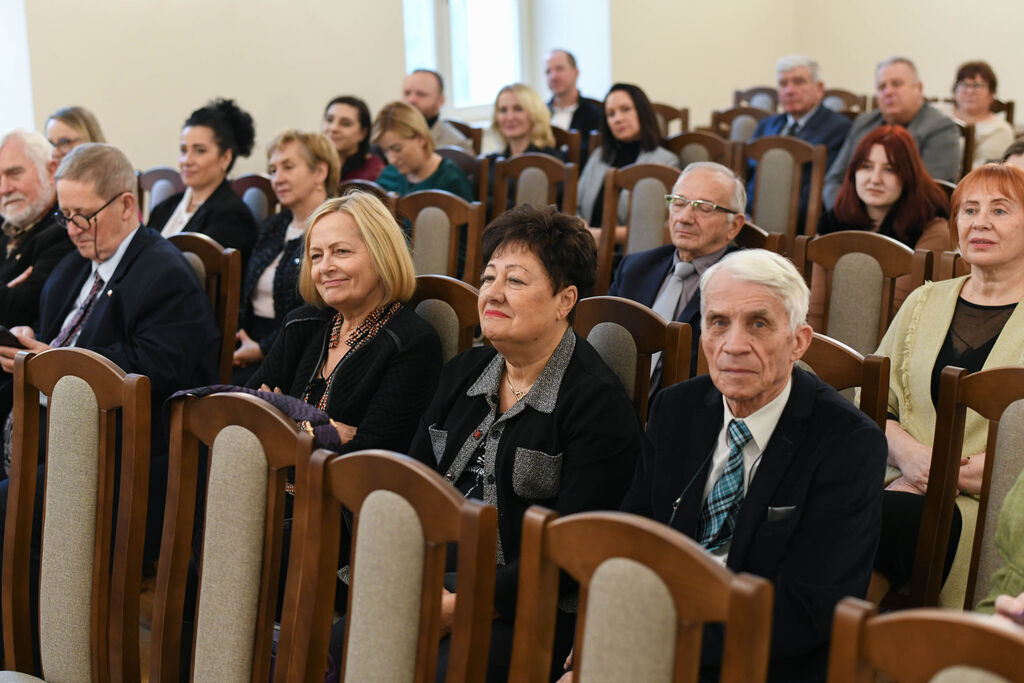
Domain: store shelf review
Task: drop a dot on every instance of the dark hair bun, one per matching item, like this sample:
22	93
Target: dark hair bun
232	126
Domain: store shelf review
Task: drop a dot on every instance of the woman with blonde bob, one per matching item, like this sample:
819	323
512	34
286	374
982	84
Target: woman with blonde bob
523	121
69	127
355	350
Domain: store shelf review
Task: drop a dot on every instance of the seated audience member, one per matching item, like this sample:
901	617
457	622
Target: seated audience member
569	109
973	322
402	133
212	138
31	241
629	135
424	89
537	418
355	350
901	103
1008	579
705	213
974	91
804	117
303	169
522	122
1014	154
886	190
347	124
69	127
765	465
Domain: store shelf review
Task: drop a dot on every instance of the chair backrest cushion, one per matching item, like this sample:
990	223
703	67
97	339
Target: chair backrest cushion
532	188
648	214
693	152
161	190
617	349
69	531
443	319
856	302
762	101
630	633
383	621
257	203
431	238
197	266
743	127
967	674
774	190
233	540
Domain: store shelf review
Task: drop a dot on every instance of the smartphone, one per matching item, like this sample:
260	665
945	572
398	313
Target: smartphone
7	338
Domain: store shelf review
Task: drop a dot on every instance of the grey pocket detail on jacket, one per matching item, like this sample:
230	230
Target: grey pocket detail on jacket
438	440
535	474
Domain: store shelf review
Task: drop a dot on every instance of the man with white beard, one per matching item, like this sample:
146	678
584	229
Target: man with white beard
31	242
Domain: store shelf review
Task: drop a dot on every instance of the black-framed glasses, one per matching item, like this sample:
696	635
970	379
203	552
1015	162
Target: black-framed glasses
81	221
676	202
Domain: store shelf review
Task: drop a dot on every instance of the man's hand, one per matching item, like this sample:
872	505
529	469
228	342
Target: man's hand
28	339
447	612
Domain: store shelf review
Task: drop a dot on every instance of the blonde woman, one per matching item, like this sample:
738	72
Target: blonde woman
69	127
523	121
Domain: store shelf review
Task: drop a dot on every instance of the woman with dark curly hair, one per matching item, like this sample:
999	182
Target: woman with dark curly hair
212	138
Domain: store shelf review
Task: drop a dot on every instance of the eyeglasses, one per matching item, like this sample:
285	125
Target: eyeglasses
64	145
972	85
81	221
676	202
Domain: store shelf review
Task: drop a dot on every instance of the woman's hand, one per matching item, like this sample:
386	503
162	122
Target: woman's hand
972	467
447	611
901	484
276	390
345	432
21	278
1011	608
567	676
249	352
912	457
27	337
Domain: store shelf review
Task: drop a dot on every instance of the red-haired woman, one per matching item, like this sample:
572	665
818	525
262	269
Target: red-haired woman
886	190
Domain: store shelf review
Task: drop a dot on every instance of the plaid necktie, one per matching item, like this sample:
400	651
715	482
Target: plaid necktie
718	516
70	331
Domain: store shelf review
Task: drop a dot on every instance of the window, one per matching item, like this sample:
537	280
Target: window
16	104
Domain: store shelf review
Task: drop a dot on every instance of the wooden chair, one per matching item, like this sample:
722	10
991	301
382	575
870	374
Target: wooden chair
91	563
538	179
156	185
475	135
220	273
947	187
666	114
764	97
694	146
781	162
737	124
646	186
751	236
476	168
845	102
920	645
251	447
863	266
449	305
948	265
257	192
390	199
997	395
967	136
403	515
569	143
1004	107
436	218
628	336
673	589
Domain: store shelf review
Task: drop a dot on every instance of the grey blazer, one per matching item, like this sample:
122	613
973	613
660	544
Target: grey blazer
592	179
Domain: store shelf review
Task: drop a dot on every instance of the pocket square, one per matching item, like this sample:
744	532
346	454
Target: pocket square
780	513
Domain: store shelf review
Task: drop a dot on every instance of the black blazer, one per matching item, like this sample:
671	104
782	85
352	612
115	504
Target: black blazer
224	217
286	275
810	519
42	248
573	456
586	119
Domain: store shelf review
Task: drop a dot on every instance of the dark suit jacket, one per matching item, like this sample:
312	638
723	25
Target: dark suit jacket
825	127
825	463
585	119
224	217
42	248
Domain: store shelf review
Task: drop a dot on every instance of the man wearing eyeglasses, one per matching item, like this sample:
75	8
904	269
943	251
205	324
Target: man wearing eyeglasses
31	242
705	213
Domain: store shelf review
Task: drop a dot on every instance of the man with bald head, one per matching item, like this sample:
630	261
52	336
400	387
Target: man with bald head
31	242
569	109
901	103
424	89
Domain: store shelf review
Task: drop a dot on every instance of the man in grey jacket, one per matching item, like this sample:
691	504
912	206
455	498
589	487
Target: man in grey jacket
901	102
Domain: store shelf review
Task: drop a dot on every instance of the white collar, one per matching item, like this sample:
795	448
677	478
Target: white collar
106	268
761	423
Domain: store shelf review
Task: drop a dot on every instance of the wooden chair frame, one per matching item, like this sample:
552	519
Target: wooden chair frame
701	588
223	285
149	178
1004	107
259	181
852	102
988	393
195	420
751	236
457	294
446	516
615	181
720	150
390	199
741	98
651	334
459	212
476	168
802	153
967	134
668	114
948	265
117	576
475	135
570	142
557	171
721	120
915	645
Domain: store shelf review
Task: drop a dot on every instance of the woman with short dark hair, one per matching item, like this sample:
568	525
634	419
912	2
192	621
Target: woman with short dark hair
974	91
347	125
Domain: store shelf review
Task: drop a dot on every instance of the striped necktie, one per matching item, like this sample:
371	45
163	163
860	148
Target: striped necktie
718	516
68	335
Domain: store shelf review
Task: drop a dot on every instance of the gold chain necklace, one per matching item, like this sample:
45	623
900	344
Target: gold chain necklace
518	394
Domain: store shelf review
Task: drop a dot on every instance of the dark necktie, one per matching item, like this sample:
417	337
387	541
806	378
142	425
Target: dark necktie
67	334
718	516
792	128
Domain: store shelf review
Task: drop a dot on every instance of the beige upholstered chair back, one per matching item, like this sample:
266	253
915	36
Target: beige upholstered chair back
618	350
197	265
257	203
762	101
443	319
692	153
967	674
162	189
631	625
834	102
532	188
387	581
233	540
431	241
1006	468
775	179
69	527
647	215
854	307
742	128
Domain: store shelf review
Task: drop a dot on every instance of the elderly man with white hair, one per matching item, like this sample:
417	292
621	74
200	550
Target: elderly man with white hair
765	465
31	241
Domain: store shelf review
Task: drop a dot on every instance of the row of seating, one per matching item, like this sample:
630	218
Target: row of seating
400	509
